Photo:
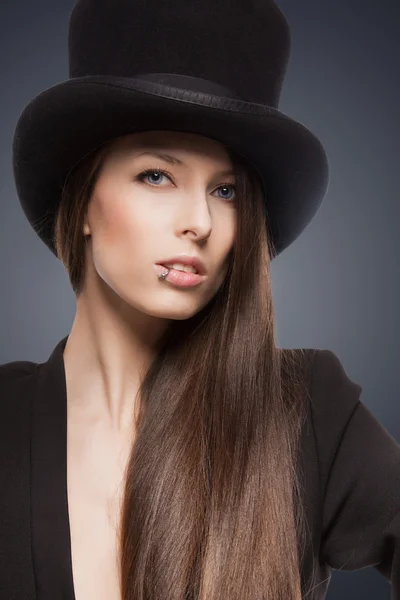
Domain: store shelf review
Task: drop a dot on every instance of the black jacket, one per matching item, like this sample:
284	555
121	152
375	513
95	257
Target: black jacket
351	468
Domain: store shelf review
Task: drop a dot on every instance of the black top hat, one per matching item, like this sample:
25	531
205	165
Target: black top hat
214	67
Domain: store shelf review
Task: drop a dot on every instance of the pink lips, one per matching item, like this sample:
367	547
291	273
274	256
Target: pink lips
186	259
179	278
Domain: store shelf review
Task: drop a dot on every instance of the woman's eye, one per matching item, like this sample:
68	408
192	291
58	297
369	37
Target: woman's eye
226	187
151	172
159	173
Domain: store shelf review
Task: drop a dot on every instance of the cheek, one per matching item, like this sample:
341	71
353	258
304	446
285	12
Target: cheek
122	222
125	233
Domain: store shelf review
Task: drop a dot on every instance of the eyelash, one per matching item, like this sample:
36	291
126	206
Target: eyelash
140	177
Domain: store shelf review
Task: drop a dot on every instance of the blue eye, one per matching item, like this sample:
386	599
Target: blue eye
226	187
161	172
148	172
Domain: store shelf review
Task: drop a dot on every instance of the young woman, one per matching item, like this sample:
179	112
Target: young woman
168	449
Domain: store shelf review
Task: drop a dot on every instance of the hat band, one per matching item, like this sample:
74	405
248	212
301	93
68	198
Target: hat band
194	84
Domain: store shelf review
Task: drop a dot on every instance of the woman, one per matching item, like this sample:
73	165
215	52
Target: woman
168	449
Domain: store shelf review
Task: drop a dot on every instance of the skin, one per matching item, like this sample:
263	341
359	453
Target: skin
124	308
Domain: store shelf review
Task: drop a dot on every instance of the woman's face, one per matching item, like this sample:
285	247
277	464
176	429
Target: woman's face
135	222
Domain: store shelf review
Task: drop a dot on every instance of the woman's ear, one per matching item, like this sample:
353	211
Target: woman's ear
86	229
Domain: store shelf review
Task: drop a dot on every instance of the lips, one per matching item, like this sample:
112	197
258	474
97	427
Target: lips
185	259
181	270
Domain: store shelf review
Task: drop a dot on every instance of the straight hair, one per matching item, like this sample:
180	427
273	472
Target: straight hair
213	504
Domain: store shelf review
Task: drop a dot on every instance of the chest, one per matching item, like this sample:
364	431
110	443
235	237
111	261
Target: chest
95	478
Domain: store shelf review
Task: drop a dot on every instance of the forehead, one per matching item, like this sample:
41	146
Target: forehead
180	142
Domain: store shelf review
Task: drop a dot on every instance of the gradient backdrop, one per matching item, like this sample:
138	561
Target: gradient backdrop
338	285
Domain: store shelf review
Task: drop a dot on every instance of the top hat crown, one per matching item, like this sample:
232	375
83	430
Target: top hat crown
242	45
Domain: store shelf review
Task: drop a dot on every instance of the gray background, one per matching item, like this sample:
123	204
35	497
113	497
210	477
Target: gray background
337	286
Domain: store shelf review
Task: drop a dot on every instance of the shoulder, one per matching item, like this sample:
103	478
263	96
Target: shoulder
328	379
15	373
334	394
17	369
327	370
17	387
334	402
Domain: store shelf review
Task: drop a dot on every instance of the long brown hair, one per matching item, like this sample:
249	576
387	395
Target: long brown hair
213	504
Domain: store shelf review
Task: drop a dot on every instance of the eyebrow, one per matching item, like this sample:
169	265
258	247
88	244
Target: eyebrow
176	161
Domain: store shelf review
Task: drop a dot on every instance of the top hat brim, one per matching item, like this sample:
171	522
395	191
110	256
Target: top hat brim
67	121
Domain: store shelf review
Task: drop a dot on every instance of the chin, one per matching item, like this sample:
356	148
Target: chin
174	313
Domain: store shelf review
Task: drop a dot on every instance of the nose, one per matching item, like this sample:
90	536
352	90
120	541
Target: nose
195	215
